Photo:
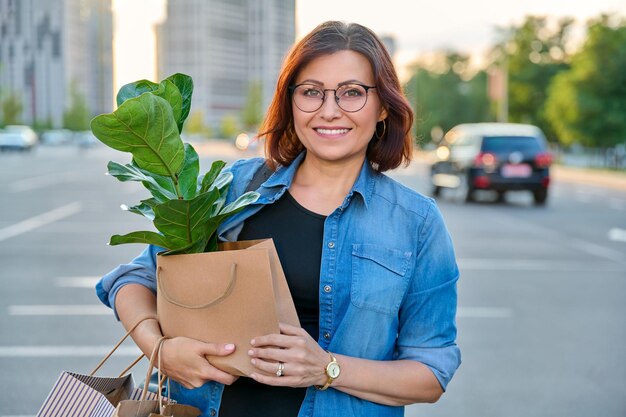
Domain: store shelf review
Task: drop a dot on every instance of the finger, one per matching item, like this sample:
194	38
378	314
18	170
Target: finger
288	329
278	340
276	355
278	381
269	367
211	373
217	349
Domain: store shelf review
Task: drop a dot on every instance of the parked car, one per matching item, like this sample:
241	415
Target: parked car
18	137
56	137
493	156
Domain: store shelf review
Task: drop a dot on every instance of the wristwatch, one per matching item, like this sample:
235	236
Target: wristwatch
332	372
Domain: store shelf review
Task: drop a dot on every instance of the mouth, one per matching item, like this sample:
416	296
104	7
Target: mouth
331	132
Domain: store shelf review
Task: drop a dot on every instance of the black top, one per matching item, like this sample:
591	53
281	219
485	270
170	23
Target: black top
298	235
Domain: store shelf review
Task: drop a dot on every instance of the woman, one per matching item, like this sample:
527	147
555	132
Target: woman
369	262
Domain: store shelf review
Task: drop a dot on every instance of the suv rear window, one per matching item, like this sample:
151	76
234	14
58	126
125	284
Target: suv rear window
507	144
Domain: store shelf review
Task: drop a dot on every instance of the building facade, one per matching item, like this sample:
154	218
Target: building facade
49	48
228	47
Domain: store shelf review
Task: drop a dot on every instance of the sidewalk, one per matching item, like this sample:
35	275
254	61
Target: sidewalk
609	179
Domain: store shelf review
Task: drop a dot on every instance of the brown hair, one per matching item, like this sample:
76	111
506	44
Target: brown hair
395	145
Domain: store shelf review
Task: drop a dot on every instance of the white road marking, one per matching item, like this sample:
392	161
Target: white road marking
64	351
479	264
60	310
33	183
484	313
40	220
76	282
599	250
618	235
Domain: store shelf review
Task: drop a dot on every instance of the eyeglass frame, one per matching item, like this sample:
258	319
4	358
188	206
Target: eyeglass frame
367	88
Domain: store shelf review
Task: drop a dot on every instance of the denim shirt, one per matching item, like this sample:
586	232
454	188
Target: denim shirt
387	284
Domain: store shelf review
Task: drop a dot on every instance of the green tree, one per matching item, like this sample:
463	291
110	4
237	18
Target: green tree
533	54
12	110
587	104
195	124
77	116
445	93
252	113
229	126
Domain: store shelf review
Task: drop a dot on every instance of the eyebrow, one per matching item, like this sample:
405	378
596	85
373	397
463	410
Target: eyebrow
316	82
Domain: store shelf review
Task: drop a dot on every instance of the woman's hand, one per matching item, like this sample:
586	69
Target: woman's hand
304	361
185	360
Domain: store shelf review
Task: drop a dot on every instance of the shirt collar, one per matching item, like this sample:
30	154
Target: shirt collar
363	186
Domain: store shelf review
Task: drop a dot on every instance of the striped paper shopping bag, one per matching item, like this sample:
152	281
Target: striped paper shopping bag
76	395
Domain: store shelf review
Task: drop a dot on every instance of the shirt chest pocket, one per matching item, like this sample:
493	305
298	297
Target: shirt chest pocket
379	277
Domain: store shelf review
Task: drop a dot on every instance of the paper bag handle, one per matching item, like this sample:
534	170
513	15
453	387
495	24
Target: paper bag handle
156	353
134	326
229	289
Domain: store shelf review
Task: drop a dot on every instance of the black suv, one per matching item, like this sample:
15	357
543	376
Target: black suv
493	156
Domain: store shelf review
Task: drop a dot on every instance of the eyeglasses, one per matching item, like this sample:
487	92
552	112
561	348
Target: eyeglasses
349	97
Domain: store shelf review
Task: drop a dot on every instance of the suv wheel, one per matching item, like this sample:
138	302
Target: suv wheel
540	195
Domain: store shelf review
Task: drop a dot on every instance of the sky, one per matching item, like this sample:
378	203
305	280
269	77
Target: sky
419	27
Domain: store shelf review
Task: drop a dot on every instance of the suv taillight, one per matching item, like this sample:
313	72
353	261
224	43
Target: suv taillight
543	160
485	159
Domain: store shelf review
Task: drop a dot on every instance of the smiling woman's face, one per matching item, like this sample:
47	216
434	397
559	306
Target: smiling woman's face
331	134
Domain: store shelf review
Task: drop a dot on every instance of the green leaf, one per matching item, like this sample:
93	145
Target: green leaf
162	188
145	127
183	220
145	208
188	178
239	204
196	247
209	177
168	91
135	89
150	238
184	83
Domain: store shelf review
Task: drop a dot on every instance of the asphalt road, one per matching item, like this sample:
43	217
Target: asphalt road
541	297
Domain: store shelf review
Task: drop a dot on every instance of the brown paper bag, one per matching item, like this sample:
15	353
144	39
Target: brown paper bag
229	296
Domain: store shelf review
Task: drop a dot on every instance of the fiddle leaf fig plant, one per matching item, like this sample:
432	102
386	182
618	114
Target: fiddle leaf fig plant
184	207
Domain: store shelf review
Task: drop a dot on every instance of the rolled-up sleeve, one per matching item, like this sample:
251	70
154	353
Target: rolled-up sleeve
140	270
427	331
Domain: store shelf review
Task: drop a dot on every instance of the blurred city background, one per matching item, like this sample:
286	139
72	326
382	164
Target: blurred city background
541	296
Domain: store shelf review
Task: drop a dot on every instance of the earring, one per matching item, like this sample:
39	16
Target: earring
384	130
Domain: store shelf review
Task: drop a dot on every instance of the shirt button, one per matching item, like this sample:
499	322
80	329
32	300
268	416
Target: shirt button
326	335
327	288
331	244
213	412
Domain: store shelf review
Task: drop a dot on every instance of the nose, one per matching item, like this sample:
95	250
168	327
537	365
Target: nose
330	109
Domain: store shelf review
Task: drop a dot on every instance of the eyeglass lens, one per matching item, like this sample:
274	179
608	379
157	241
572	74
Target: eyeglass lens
350	97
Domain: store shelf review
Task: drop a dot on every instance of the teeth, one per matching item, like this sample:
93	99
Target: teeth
332	131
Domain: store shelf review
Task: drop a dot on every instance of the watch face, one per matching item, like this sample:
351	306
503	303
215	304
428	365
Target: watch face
333	370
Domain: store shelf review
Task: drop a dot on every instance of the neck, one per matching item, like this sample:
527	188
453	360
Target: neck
321	187
328	177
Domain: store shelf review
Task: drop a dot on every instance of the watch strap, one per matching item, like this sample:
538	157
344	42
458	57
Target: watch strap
329	379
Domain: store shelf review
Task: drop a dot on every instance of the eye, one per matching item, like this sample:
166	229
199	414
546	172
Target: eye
311	92
352	91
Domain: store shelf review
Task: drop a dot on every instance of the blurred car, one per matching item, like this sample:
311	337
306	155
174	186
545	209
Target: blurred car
85	139
18	137
56	137
493	156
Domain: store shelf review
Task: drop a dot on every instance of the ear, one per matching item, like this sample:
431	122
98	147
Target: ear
383	114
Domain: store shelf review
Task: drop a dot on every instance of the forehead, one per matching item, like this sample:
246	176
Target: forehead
335	68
